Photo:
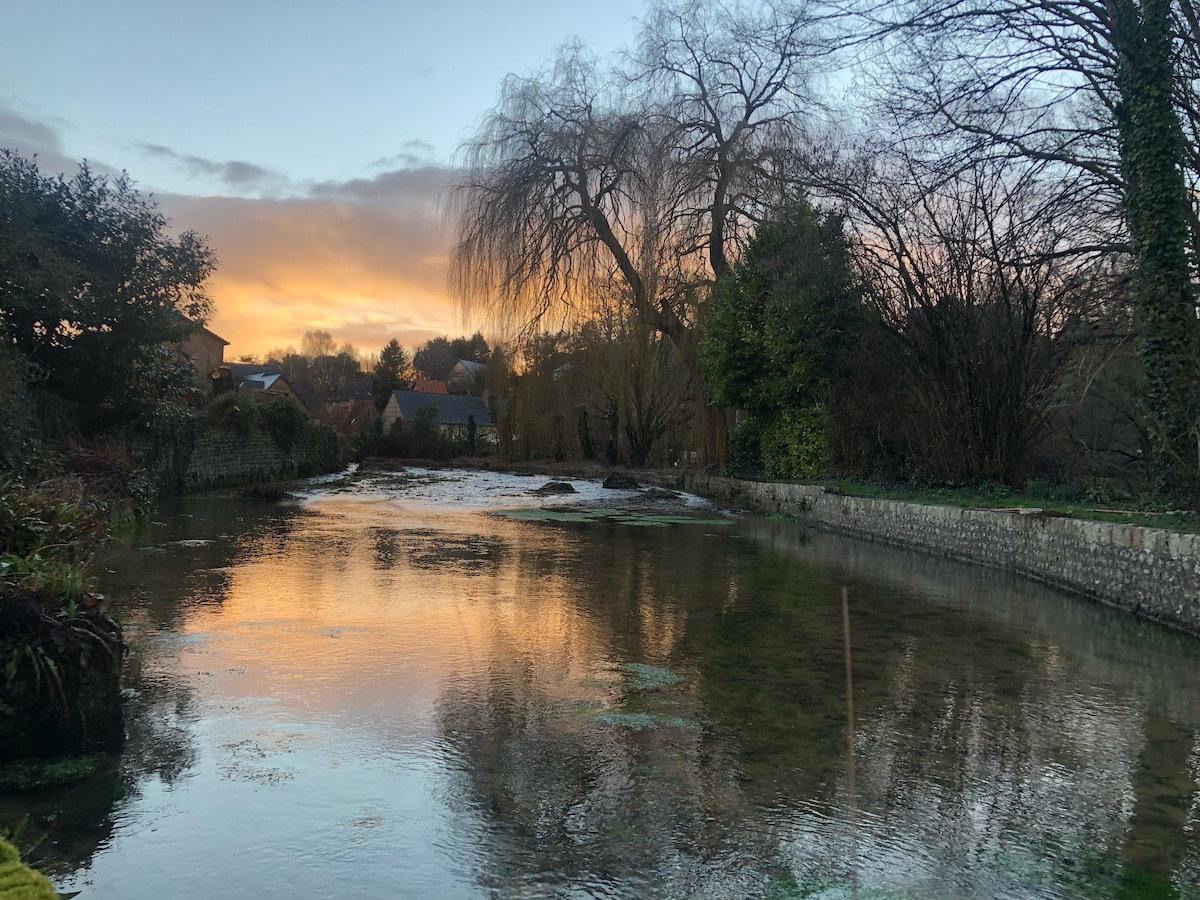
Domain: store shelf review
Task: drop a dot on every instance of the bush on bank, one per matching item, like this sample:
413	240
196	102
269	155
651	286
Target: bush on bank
60	653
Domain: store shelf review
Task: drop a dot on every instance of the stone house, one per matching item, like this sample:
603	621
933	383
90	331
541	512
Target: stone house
466	378
255	377
206	351
454	412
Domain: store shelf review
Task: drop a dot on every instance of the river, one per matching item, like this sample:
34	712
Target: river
436	684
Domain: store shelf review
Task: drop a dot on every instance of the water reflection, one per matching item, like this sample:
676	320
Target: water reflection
384	693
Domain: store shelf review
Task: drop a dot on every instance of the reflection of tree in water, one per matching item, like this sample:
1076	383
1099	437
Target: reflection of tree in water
70	823
151	593
444	552
568	798
993	755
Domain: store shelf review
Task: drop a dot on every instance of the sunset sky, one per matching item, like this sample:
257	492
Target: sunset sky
309	141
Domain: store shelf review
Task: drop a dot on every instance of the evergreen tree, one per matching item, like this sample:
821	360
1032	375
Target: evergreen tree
773	334
393	372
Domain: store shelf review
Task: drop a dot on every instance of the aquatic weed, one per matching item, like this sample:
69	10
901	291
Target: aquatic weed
642	677
640	721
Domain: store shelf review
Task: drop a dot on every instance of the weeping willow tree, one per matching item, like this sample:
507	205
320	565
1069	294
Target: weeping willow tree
645	177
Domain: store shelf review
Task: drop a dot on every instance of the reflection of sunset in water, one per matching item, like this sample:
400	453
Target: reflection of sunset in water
445	702
383	612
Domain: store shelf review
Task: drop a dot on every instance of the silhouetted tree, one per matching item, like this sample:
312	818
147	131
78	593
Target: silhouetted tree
1107	92
392	372
92	290
436	357
775	328
650	176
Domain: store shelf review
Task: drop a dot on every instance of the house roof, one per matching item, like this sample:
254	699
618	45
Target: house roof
245	370
476	369
452	409
213	334
254	377
259	382
429	386
354	390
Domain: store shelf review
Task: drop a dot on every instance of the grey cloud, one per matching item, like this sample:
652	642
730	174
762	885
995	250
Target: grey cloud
234	173
413	154
407	188
21	132
30	136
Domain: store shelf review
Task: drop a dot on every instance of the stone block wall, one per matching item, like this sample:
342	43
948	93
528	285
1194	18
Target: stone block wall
1147	571
225	456
210	456
221	457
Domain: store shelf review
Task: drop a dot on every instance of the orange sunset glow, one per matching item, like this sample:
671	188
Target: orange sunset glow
363	260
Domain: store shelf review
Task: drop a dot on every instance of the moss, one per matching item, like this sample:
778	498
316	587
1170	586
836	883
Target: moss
641	677
18	881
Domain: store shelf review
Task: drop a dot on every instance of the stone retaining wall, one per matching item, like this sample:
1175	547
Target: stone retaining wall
213	456
1147	571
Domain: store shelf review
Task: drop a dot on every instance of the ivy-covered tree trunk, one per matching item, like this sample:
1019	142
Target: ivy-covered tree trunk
1156	197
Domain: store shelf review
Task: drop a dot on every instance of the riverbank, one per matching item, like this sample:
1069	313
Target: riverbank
1149	572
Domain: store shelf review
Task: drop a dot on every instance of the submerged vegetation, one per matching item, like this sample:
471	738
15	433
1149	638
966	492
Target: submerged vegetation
622	516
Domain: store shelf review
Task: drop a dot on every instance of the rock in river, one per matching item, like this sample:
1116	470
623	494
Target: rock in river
619	482
555	487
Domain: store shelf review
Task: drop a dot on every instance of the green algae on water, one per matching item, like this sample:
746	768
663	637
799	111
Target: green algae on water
640	721
641	677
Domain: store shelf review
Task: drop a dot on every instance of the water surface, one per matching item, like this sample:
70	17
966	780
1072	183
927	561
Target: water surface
386	689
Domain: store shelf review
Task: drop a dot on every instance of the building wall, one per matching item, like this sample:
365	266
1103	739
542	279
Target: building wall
206	351
391	412
1147	571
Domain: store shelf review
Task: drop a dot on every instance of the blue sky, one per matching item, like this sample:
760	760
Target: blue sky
308	140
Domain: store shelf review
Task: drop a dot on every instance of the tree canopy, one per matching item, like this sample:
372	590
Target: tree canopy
436	357
649	174
392	372
93	289
1104	94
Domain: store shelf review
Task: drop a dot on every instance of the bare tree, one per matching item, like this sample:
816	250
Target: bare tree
978	287
1107	90
649	174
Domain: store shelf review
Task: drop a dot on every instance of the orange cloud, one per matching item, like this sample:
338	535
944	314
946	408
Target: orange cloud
364	260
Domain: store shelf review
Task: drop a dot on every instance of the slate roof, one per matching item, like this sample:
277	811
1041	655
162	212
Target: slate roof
245	370
475	368
253	376
453	409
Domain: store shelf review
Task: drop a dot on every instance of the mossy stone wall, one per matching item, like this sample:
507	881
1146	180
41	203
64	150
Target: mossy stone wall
213	455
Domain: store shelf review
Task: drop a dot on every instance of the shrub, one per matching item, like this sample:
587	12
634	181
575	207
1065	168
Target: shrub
793	444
